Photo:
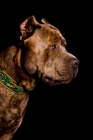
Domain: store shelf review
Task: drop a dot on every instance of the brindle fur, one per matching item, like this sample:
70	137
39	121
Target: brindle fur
36	54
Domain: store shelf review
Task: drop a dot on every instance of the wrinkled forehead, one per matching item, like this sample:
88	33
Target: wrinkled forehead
52	34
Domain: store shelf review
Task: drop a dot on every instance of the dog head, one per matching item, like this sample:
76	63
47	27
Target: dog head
45	52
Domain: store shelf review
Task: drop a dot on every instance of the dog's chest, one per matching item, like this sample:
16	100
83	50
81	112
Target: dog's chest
12	108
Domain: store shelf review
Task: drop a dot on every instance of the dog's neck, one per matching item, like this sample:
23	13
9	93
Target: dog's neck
10	62
6	61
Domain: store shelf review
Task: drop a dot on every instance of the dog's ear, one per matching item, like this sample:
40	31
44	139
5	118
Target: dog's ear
44	21
28	27
53	27
48	24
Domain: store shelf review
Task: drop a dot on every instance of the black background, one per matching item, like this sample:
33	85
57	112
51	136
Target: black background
62	110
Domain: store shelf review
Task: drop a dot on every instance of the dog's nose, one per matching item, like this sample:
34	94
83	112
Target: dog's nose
74	62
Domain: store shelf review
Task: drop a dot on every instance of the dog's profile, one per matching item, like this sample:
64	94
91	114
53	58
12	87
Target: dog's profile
41	50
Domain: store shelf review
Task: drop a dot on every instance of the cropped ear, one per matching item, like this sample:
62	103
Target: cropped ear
53	27
44	21
28	27
48	24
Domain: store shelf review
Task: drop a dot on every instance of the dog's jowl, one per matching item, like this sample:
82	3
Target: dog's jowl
41	50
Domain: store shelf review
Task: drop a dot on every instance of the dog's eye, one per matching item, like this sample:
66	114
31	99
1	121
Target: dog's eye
53	47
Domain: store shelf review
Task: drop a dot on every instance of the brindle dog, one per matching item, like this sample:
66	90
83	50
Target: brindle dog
42	51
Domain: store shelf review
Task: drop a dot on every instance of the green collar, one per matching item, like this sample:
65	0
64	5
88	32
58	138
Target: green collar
6	80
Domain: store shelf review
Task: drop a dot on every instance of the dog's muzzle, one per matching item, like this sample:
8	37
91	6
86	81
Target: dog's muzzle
65	76
73	65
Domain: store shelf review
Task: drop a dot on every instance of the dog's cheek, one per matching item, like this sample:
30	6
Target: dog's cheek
42	59
30	67
30	62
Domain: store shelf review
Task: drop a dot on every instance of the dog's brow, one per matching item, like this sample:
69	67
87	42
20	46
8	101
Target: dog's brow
55	39
63	42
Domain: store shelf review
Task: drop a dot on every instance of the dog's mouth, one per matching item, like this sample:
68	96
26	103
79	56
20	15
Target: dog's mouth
53	82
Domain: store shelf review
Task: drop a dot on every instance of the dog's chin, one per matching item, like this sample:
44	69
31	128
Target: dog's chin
52	82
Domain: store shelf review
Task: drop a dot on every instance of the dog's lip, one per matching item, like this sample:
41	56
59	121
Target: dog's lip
49	81
52	82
